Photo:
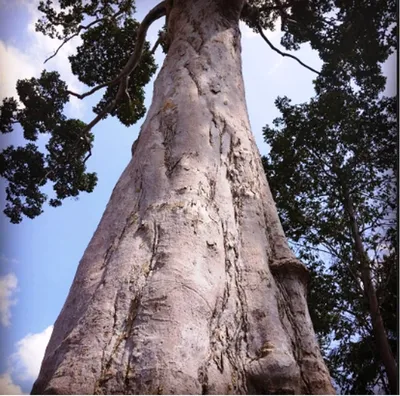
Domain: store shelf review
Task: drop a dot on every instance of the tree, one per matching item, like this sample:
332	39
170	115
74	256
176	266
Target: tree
332	169
188	284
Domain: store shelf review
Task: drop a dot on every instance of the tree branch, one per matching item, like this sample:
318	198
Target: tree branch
321	158
316	249
283	53
156	44
157	12
80	28
96	88
108	108
61	45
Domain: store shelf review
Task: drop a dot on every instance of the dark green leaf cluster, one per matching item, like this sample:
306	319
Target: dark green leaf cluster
66	20
106	49
264	12
26	168
352	38
43	100
68	148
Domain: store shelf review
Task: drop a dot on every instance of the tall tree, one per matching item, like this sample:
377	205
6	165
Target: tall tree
332	171
188	284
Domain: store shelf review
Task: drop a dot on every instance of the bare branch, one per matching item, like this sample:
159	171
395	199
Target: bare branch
127	91
283	53
301	245
108	108
156	44
89	153
61	45
96	88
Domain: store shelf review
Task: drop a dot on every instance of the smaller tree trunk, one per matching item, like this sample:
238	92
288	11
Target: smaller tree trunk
370	293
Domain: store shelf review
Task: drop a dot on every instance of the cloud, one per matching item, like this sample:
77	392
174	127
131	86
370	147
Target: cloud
7	386
26	59
8	286
24	364
14	65
26	361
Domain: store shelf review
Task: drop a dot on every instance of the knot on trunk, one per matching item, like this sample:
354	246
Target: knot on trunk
289	268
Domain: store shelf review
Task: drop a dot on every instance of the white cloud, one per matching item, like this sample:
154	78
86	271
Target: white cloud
8	286
7	386
14	65
24	364
17	63
26	361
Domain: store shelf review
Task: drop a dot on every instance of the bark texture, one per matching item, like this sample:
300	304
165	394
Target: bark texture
188	285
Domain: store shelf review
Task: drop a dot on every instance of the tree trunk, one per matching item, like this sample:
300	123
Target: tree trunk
188	285
378	327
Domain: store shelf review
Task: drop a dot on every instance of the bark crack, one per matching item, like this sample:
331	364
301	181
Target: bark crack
284	305
106	372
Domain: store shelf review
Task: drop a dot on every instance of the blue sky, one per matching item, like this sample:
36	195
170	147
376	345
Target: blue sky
38	258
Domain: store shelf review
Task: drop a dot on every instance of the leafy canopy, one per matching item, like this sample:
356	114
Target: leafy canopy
107	43
343	141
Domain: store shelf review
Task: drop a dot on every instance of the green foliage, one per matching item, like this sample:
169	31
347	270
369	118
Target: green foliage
356	363
352	38
339	142
43	101
65	20
343	141
26	168
68	148
108	40
105	49
8	115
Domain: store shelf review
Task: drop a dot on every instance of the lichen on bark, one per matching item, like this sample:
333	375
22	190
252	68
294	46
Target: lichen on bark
188	285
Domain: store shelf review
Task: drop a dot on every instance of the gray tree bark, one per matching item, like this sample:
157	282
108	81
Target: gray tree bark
188	285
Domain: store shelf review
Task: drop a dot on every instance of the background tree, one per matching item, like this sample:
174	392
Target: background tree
332	172
333	161
216	200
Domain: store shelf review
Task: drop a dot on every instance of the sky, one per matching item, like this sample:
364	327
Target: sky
38	258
